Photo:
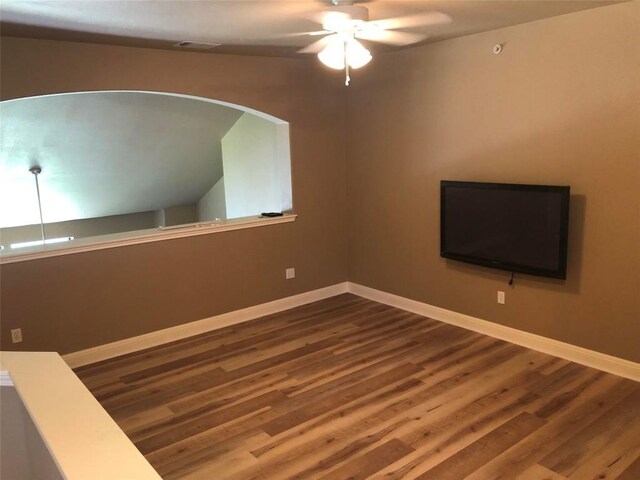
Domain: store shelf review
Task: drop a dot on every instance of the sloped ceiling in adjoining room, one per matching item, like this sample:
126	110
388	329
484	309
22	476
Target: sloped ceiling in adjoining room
107	153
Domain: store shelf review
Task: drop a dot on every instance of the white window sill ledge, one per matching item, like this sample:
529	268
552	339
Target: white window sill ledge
141	236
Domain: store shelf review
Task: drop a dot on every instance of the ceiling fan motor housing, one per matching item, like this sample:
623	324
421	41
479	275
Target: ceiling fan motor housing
356	12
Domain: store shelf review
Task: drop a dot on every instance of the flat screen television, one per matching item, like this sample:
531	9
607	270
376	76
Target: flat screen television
518	228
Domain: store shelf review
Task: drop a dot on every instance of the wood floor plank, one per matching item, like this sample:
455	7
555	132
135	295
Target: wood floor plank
230	462
352	452
225	356
192	452
186	425
538	472
131	423
274	324
340	433
342	397
230	455
464	414
349	388
177	386
233	392
632	472
341	417
470	458
615	456
594	438
363	417
342	361
603	397
362	467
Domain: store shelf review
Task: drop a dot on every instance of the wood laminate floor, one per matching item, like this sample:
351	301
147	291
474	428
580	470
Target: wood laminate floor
346	388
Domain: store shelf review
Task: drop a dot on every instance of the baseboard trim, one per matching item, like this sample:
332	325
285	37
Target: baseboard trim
573	353
160	337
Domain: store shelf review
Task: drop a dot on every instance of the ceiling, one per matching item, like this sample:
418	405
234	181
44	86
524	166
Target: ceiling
255	27
169	147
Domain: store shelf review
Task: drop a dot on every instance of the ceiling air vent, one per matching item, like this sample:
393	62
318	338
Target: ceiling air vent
196	45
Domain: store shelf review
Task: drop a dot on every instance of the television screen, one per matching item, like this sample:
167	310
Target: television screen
519	228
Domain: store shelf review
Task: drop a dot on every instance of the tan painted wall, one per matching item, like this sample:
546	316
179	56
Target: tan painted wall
560	105
77	301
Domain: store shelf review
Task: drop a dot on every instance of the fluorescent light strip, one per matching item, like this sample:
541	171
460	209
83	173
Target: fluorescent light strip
40	242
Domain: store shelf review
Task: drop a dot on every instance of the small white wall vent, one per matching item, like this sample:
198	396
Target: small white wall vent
196	45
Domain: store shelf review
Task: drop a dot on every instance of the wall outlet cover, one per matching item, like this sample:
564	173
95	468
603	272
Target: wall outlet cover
16	335
501	298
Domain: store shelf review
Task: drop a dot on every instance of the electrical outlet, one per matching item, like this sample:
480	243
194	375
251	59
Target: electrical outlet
290	273
501	298
16	335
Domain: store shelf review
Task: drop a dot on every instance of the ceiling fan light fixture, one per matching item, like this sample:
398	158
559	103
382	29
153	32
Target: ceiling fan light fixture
333	55
357	55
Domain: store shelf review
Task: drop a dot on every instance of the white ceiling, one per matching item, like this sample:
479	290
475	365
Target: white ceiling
251	26
107	153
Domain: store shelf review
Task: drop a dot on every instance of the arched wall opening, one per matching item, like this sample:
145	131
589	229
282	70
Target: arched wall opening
130	166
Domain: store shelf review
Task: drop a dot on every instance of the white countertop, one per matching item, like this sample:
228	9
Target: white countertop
84	441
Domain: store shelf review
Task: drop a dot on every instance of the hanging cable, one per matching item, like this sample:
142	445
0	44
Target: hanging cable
37	171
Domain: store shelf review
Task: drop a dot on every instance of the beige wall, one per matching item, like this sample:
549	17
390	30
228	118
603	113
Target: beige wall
559	106
77	301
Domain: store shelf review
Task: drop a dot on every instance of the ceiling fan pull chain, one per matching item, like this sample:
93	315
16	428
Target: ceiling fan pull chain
346	65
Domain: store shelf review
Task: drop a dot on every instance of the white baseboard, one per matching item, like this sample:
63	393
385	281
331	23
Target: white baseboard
573	353
159	337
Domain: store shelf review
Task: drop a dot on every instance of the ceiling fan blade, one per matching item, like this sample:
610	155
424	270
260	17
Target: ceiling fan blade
410	21
390	38
317	46
319	32
306	34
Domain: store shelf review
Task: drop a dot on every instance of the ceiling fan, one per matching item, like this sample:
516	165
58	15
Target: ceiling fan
345	23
